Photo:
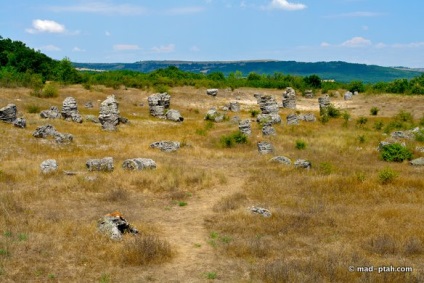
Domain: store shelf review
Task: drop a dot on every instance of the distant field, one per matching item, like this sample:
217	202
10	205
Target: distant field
351	211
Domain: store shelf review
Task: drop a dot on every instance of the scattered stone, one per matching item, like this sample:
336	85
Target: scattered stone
70	110
245	127
234	106
225	108
109	113
281	159
52	113
174	115
272	118
212	92
214	115
292	119
139	164
302	163
89	104
308	117
261	211
104	164
48	166
268	130
289	98
409	135
265	147
158	104
115	225
267	104
63	138
348	95
417	162
309	94
50	131
167	146
8	113
20	123
324	103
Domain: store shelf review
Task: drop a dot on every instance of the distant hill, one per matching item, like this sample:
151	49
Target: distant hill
337	70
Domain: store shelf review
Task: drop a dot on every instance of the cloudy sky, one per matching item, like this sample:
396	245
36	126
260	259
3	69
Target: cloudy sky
382	32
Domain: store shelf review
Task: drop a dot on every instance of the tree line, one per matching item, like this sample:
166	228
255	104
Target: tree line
26	67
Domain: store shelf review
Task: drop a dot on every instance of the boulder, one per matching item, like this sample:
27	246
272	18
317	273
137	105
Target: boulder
167	146
158	104
324	103
260	210
281	159
8	113
139	164
174	115
48	166
109	113
273	118
409	135
309	93
302	163
63	138
292	119
115	225
70	110
212	92
265	147
268	130
289	98
50	131
52	113
245	127
20	123
234	106
268	104
348	95
417	162
214	115
308	117
104	164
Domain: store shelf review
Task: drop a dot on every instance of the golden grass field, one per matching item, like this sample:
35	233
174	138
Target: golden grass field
325	220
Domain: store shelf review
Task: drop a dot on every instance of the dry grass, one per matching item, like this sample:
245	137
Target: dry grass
338	214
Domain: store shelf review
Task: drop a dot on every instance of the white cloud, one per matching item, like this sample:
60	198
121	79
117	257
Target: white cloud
325	44
39	26
50	47
284	5
357	42
164	48
101	8
107	33
125	47
77	49
195	48
185	10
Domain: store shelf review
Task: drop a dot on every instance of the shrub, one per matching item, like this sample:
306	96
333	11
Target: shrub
361	121
404	116
254	113
326	168
50	91
346	117
361	138
333	112
33	109
419	136
395	152
300	144
378	125
387	175
230	140
374	111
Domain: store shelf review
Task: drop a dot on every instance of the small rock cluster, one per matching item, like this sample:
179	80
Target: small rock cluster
115	225
159	104
260	210
8	114
269	108
70	110
50	131
245	127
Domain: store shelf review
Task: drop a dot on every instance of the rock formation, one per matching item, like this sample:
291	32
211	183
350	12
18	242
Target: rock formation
8	113
234	106
52	113
417	162
70	110
167	146
50	131
109	113
289	98
292	119
260	210
265	147
309	94
158	104
302	163
139	164
115	225
269	109
214	115
48	166
324	103
104	164
268	130
174	115
348	95
245	127
281	159
308	117
20	123
212	92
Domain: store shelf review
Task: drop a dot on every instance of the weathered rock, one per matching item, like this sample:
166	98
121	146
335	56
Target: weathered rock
355	93
388	142
308	117
104	164
50	131
409	135
63	138
235	120
109	113
158	104
48	166
272	118
309	94
348	95
115	225
268	130
265	147
302	163
281	159
8	113
139	164
20	123
261	211
324	103
212	92
234	106
70	110
174	115
419	148
268	105
292	119
417	162
52	113
214	115
89	104
167	146
257	96
245	127
289	98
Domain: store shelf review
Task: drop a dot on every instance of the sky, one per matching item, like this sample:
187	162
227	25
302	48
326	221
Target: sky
378	32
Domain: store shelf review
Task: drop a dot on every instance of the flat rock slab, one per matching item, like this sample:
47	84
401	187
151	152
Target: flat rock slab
281	159
167	146
104	164
139	164
417	162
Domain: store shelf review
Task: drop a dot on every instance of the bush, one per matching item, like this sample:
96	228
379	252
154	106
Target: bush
378	125
419	136
374	111
361	121
333	112
395	152
254	113
33	109
230	140
387	175
300	144
146	249
50	90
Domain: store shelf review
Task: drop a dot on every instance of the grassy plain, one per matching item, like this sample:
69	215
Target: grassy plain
337	215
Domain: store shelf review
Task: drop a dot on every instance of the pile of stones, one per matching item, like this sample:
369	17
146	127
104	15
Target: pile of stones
159	104
269	108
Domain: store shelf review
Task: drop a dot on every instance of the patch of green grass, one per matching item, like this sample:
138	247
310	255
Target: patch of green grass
300	144
182	203
32	109
387	175
395	152
374	111
211	275
231	140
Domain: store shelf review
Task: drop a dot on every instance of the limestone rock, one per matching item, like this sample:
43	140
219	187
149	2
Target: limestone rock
308	117
158	104
115	225
70	110
139	164
409	135
48	166
417	162
212	92
292	119
302	163
348	95
167	146
44	131
265	147
289	98
245	127
260	210
273	118
214	115
8	113
52	113
109	113
174	115
268	130
234	106
267	104
309	94
281	159
20	123
104	164
324	103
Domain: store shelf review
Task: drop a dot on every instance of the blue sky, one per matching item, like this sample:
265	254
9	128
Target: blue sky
381	32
